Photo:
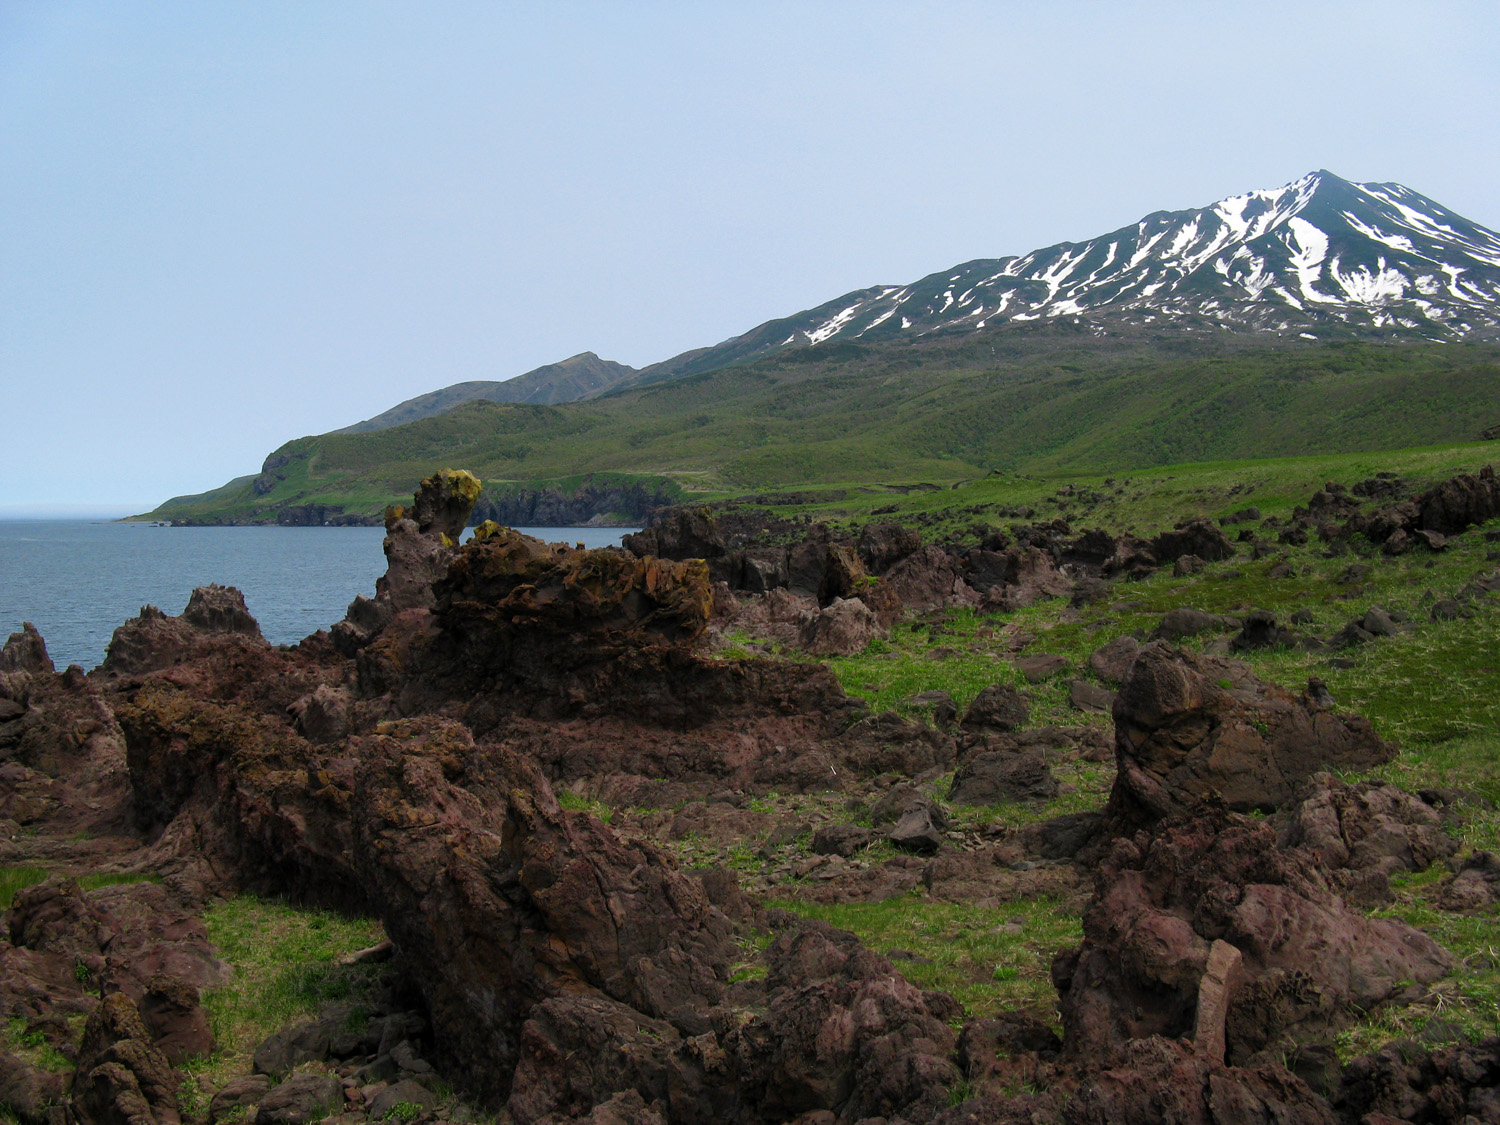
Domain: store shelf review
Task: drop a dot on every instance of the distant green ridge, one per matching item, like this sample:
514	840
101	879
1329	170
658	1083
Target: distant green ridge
1041	401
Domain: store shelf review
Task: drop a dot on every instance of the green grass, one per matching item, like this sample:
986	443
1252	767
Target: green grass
16	879
573	802
32	1046
964	949
945	412
285	969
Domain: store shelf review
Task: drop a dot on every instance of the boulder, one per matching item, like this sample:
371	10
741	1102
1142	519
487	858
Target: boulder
406	1092
1199	537
1370	826
177	1021
1404	1082
301	1099
684	533
1189	622
25	652
28	1091
1473	887
1164	897
1188	727
841	839
626	1051
998	707
1159	1079
882	545
995	777
1261	630
842	1031
1459	503
1090	698
920	829
1111	663
237	1095
1187	565
841	629
930	578
1040	666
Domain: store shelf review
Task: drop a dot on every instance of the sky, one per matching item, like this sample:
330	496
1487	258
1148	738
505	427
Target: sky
227	225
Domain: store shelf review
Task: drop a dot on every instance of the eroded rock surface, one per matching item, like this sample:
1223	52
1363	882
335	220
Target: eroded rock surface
1189	727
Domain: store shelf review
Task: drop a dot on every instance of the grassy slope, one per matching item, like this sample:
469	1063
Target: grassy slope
1435	690
946	411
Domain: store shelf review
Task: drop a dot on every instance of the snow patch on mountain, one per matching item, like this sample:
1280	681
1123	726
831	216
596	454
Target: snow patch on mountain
1316	250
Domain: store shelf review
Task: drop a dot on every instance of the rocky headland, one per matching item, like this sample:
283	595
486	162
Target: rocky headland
432	760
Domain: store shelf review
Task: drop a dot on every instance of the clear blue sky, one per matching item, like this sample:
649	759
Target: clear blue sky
224	225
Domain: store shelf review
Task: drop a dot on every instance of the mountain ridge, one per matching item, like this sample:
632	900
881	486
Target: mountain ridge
577	377
923	378
1381	234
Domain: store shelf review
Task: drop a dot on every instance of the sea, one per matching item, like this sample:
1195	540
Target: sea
77	580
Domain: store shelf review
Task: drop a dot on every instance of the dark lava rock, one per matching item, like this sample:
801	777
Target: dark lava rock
1459	502
237	1095
1261	631
685	533
841	839
1187	565
1189	622
994	777
302	1098
1402	1081
919	830
1112	662
882	545
998	707
1090	697
1040	666
1213	888
1188	727
1474	887
1198	537
1378	623
1449	609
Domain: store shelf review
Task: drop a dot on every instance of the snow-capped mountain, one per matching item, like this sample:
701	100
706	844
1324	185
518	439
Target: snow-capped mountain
1321	251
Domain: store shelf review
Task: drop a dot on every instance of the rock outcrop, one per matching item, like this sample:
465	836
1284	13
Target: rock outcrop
1189	727
1166	898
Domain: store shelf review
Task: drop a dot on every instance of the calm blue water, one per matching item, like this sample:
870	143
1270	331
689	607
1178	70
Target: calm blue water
76	581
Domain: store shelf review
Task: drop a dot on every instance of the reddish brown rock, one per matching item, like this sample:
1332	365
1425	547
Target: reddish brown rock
1111	663
122	1079
25	652
1199	537
842	1031
153	641
1188	727
1165	896
1401	1082
1371	826
930	578
840	629
998	707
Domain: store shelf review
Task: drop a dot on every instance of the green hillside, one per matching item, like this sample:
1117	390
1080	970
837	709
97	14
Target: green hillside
1038	402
